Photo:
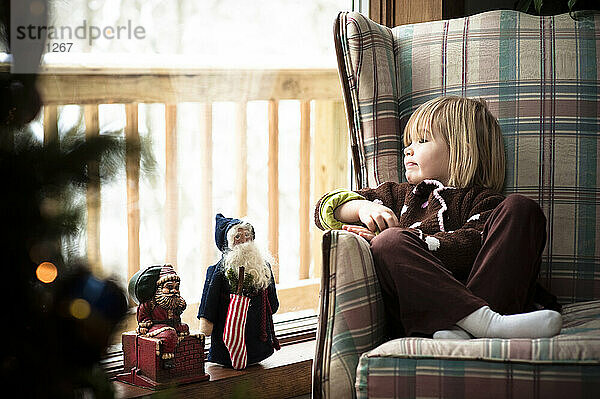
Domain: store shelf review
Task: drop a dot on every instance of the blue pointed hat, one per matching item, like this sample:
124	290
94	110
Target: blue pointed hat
222	226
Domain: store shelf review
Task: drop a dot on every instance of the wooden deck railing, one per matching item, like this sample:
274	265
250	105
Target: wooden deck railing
61	85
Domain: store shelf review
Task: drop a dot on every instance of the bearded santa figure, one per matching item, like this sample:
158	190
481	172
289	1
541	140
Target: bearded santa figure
156	289
235	239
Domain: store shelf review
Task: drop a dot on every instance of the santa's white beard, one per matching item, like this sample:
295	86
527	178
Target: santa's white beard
255	263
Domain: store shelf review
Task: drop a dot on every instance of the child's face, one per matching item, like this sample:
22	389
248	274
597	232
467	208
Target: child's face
427	158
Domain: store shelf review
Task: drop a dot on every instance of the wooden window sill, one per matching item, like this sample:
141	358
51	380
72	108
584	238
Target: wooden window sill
287	373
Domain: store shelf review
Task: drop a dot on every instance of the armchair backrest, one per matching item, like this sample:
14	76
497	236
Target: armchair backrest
540	77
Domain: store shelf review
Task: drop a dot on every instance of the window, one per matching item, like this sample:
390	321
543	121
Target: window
240	103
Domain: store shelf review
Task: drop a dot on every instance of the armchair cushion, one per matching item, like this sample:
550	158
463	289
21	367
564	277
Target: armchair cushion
490	368
579	341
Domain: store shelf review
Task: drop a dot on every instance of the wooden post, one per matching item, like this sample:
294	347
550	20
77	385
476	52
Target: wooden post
401	12
92	129
50	124
330	160
132	168
207	220
241	160
304	190
273	166
171	185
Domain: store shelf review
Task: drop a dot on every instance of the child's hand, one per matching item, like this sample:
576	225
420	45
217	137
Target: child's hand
359	230
376	217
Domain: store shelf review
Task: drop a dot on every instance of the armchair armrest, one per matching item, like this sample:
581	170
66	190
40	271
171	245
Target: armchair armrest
351	317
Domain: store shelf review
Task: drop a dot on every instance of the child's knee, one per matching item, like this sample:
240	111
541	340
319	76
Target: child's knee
525	208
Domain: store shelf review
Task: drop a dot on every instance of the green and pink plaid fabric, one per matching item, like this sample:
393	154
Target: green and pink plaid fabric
490	368
352	319
540	76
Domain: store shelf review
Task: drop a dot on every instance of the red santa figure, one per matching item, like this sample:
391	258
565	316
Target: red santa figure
156	289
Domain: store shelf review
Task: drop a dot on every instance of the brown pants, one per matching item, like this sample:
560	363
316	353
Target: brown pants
421	296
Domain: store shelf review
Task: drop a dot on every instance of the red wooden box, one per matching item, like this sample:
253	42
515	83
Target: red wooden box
143	365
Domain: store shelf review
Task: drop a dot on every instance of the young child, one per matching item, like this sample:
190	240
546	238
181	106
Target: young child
454	257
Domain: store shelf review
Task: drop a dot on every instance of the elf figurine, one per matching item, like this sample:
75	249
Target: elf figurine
238	313
156	289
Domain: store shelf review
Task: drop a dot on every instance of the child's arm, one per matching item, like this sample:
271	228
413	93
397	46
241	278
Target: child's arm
375	217
376	208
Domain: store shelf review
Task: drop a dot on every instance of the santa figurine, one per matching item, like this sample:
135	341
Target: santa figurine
156	289
238	313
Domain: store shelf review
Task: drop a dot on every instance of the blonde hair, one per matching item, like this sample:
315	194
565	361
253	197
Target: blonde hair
473	137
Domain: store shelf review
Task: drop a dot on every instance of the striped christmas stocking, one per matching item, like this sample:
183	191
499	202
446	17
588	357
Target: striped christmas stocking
234	334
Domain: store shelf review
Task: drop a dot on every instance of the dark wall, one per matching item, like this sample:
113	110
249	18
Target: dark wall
549	7
477	6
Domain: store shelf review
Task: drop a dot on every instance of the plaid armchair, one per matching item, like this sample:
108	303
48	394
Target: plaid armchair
540	76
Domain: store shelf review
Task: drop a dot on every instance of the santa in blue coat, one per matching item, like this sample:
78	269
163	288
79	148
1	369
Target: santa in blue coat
235	239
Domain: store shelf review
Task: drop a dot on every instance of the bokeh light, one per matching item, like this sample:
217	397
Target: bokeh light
80	308
46	272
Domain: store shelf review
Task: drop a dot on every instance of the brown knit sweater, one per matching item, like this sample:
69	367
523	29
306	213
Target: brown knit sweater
449	220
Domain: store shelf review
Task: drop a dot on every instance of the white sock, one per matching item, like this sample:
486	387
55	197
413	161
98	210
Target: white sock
485	323
453	333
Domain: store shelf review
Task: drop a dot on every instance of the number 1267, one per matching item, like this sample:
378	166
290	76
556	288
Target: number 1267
58	47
